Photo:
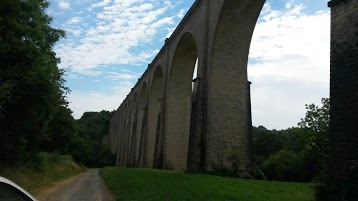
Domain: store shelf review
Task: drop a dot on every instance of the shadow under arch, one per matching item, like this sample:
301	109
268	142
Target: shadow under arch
141	125
178	104
124	135
127	134
133	125
154	138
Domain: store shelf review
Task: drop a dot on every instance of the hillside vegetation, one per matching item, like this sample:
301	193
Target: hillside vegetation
48	168
150	184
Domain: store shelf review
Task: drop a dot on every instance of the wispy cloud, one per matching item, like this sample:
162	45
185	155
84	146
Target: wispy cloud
74	32
102	3
64	5
120	27
121	76
74	20
181	13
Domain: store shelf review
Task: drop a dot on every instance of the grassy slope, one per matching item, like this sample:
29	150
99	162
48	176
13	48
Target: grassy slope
149	184
50	168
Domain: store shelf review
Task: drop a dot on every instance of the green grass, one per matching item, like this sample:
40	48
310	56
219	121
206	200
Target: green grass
150	184
47	169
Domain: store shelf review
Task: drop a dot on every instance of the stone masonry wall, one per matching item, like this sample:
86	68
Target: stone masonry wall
344	98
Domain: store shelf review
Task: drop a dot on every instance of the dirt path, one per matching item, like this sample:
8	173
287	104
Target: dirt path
87	186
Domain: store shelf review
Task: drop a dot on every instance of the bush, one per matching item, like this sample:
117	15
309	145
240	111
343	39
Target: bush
282	166
258	174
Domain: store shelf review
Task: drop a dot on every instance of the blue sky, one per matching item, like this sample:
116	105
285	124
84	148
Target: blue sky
109	44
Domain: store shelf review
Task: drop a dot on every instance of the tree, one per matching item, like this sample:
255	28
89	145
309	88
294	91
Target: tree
266	142
60	131
316	125
297	153
31	85
90	144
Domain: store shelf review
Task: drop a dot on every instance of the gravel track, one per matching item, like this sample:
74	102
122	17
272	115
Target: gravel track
87	186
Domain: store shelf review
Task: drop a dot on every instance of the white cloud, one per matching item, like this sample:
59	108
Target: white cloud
101	4
73	76
74	20
120	27
164	21
97	101
147	55
170	32
181	13
74	32
64	5
121	76
289	64
289	4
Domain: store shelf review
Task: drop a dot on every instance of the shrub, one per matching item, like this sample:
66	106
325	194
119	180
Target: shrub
283	166
257	173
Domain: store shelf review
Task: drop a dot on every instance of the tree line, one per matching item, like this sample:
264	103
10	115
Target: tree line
34	112
298	153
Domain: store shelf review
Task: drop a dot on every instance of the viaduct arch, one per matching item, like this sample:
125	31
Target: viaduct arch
162	124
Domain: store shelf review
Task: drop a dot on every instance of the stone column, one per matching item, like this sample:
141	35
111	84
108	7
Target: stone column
344	100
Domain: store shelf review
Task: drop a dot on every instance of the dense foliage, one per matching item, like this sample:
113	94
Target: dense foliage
34	113
91	143
86	139
31	85
298	153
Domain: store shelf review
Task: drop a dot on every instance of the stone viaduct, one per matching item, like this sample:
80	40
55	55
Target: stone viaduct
170	120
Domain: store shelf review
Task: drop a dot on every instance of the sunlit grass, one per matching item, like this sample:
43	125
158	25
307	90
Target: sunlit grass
149	184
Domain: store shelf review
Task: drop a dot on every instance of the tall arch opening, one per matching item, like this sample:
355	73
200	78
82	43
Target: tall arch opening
154	137
179	103
141	125
194	85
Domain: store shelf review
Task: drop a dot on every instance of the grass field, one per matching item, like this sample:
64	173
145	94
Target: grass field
150	184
